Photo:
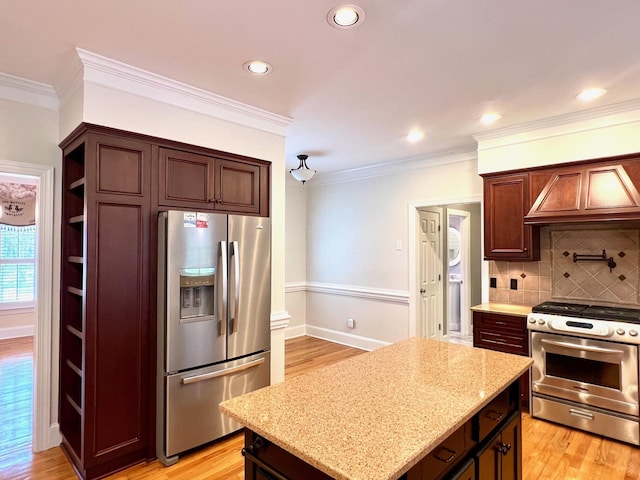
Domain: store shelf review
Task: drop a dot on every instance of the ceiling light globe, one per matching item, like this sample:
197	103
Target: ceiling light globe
257	67
346	16
590	94
489	118
415	136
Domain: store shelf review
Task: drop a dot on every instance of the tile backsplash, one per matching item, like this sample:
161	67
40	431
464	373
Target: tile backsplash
557	277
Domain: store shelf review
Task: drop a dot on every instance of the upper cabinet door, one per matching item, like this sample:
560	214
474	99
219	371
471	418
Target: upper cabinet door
202	182
506	202
186	180
237	187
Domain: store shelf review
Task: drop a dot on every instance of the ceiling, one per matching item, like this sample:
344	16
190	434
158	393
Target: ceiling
354	94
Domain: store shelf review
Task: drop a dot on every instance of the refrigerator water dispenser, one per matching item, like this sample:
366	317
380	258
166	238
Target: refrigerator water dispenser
197	293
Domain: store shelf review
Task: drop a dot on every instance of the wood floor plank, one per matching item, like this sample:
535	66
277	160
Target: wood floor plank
550	451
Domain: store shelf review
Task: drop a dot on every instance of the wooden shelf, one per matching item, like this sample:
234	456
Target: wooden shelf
75	406
77	219
75	291
75	332
74	367
77	183
74	259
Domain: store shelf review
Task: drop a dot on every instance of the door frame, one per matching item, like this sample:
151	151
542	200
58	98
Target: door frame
45	433
465	298
413	223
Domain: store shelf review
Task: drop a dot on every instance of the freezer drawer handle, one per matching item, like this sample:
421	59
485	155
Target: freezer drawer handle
222	373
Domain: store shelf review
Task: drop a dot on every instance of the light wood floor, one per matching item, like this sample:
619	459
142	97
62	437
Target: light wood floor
549	451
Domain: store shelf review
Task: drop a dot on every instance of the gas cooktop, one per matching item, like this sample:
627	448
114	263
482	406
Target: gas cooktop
596	312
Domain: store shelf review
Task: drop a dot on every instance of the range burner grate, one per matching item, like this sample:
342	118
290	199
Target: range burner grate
596	312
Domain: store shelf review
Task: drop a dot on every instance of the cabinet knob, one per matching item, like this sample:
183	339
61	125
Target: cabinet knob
525	249
504	448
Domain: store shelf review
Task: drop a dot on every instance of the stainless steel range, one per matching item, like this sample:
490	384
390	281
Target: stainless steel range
585	367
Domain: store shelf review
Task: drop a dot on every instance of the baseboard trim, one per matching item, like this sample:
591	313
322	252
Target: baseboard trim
17	332
55	438
293	332
348	339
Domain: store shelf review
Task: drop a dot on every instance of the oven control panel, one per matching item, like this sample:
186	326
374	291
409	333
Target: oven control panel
584	327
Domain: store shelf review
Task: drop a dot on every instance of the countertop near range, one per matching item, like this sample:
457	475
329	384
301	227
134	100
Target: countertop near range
503	308
376	415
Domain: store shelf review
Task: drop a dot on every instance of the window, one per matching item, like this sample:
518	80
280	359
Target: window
17	266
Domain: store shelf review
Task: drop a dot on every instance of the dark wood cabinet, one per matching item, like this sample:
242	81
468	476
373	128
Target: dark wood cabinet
110	200
506	202
501	456
204	182
600	191
104	322
504	333
446	457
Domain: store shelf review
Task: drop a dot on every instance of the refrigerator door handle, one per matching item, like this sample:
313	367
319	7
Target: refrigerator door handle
222	373
235	252
223	316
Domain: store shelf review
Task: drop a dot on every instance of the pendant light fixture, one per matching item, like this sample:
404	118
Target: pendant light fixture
302	173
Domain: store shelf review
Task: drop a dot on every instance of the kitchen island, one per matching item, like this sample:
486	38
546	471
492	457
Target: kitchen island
383	415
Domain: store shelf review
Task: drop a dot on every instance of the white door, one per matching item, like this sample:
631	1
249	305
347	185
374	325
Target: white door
430	277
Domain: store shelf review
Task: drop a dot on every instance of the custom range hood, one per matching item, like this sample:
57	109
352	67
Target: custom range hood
596	191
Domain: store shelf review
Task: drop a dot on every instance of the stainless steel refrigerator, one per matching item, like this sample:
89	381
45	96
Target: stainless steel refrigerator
214	305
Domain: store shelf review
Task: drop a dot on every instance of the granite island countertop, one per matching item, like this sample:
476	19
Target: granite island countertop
376	415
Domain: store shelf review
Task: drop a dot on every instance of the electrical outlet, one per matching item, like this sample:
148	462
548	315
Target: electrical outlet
351	323
514	284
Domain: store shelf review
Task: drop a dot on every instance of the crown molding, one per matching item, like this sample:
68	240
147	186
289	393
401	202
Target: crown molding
111	73
458	154
560	120
21	90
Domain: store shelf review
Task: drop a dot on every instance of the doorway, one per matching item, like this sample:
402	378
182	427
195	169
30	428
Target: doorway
18	264
44	432
447	317
458	263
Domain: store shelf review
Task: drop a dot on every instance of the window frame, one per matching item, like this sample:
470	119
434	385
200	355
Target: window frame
21	306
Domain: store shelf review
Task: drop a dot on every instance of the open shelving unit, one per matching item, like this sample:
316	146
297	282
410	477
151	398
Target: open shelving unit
72	321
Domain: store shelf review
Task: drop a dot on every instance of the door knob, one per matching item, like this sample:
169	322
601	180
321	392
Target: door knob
422	290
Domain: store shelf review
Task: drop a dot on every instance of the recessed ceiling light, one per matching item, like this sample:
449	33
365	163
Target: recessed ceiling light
415	136
489	118
345	16
257	67
590	94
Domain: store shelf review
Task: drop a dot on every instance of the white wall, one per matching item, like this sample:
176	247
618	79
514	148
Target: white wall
17	323
296	256
30	135
614	131
354	266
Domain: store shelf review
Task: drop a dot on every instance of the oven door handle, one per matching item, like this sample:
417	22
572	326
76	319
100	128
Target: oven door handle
582	347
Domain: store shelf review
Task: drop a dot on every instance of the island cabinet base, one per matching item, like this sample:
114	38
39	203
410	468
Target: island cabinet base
487	447
265	461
